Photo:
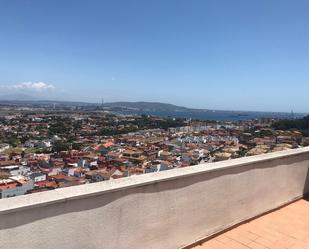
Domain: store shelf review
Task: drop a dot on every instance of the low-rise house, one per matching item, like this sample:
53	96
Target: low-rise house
5	162
65	181
29	144
261	149
97	175
133	155
54	171
16	170
15	186
44	144
4	147
115	174
43	186
221	156
285	139
164	155
83	163
37	177
161	166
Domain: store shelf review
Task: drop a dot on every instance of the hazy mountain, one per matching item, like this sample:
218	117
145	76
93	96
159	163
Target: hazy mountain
17	97
147	106
130	107
21	99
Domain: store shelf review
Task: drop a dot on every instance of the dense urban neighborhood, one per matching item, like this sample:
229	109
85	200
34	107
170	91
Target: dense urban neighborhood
45	150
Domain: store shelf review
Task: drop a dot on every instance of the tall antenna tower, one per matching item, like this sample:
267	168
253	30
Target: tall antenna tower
292	114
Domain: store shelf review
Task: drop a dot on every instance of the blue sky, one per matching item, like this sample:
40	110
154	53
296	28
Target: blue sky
216	54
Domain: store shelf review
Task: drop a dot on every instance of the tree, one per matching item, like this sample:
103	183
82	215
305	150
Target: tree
60	146
23	154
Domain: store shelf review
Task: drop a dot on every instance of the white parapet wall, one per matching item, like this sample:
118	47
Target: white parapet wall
167	210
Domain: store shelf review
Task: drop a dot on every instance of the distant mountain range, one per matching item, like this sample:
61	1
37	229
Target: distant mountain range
147	106
154	108
137	106
17	97
21	99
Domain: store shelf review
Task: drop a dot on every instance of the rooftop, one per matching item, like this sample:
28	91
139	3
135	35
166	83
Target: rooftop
287	227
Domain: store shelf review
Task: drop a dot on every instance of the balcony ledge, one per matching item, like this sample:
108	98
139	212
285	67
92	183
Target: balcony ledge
169	209
83	191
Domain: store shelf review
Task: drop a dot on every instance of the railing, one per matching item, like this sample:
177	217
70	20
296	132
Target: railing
168	209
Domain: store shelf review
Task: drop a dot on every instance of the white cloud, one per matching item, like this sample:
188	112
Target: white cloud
38	86
35	86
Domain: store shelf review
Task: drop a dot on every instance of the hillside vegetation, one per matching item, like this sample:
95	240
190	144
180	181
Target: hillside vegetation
294	124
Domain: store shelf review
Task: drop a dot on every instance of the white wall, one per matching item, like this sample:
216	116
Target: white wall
160	210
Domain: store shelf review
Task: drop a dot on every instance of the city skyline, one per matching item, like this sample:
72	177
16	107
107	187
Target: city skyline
236	55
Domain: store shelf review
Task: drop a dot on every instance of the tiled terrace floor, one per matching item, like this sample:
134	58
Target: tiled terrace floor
287	227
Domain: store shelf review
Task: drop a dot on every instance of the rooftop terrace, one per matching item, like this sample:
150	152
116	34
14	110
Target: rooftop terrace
285	228
172	209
